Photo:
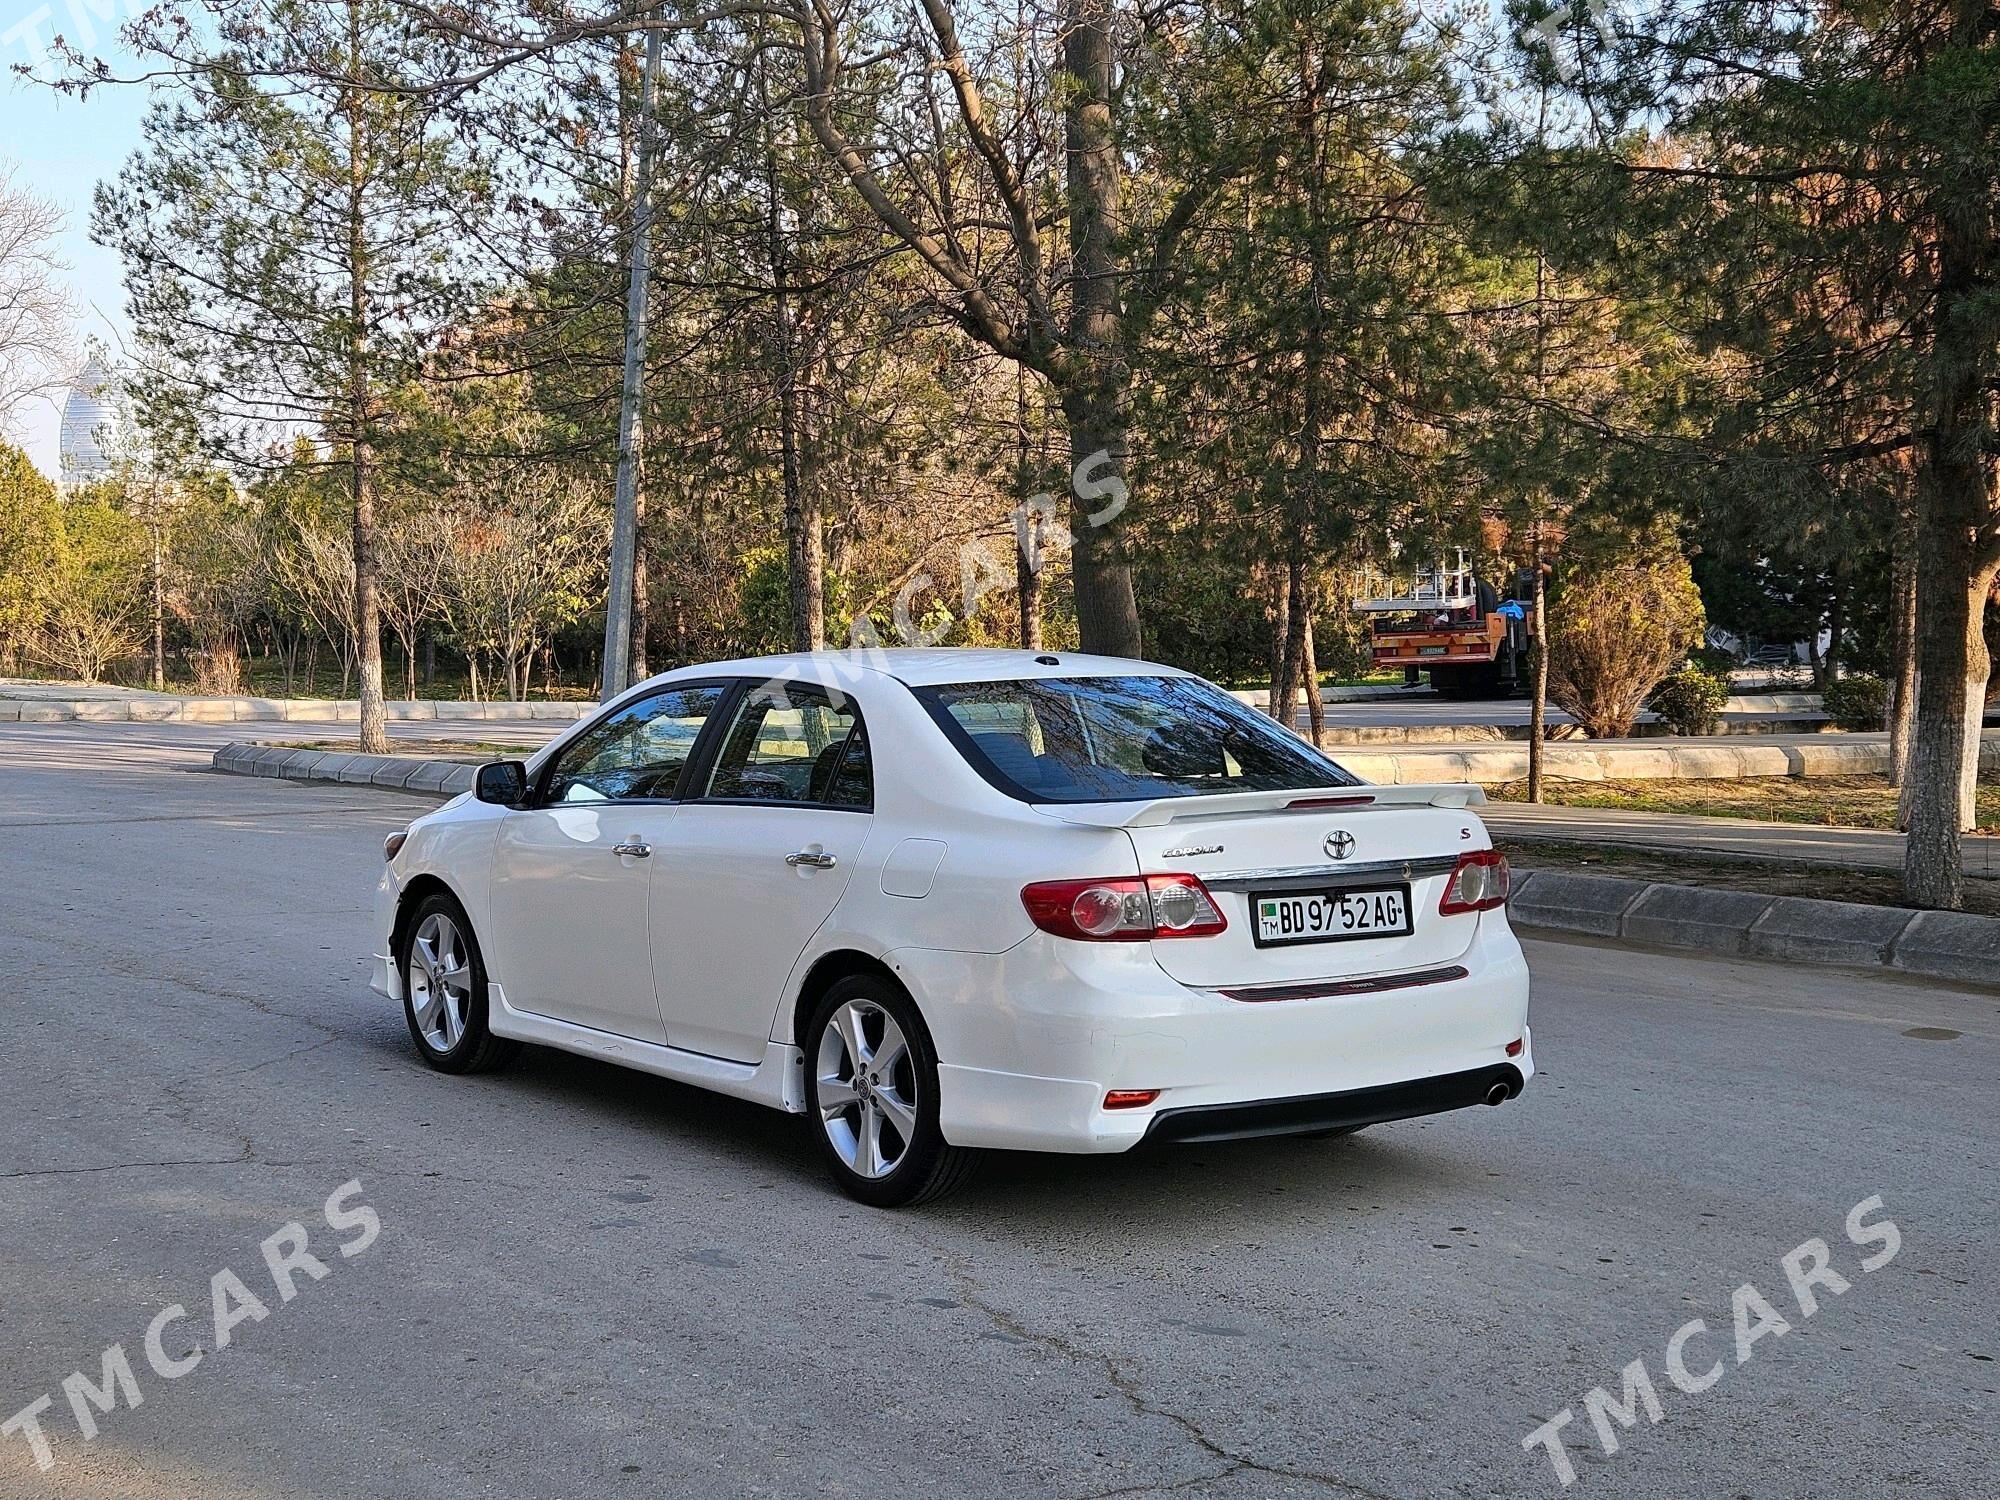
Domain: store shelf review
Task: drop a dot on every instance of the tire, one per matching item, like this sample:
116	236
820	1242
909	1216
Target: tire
880	1139
444	990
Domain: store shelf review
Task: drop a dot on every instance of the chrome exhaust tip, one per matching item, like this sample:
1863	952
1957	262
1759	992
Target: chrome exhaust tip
1499	1094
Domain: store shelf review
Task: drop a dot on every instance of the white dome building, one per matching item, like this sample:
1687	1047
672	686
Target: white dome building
89	425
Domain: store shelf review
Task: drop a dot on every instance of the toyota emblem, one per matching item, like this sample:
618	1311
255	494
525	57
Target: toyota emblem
1339	844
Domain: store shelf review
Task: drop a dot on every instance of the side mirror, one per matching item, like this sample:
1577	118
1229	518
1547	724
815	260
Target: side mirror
502	781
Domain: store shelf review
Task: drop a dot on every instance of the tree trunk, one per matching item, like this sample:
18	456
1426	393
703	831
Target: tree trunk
1956	556
805	531
641	587
1978	672
1309	674
1028	579
360	415
1281	639
1903	645
1027	523
1285	690
1095	396
1951	594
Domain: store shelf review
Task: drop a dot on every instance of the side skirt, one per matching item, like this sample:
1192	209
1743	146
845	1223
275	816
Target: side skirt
779	1080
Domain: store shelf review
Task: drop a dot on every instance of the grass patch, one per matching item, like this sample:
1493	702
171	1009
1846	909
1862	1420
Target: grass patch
1827	802
466	750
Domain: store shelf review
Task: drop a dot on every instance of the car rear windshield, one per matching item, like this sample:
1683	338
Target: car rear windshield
1122	739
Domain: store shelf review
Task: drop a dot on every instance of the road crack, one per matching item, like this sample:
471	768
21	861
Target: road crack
1134	1396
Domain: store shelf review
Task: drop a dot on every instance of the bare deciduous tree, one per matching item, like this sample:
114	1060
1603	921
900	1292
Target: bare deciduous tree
36	351
514	576
414	551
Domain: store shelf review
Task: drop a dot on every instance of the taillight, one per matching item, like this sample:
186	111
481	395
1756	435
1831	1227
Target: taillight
1478	883
1132	910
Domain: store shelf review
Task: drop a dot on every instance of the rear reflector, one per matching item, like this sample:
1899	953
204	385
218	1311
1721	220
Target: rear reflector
1130	1098
1514	1047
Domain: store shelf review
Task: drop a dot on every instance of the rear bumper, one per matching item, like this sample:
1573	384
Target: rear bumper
1352	1107
1029	1042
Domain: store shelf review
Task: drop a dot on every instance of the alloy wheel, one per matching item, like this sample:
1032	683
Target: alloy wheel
867	1089
440	981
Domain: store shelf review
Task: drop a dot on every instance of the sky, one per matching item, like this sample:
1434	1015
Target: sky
59	148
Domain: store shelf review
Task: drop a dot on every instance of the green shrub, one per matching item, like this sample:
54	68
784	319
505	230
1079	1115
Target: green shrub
1859	701
1691	699
1616	629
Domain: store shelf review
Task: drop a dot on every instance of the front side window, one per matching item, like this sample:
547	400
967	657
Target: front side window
638	753
792	745
1122	739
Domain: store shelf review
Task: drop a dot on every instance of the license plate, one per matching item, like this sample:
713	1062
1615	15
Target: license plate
1331	916
1433	650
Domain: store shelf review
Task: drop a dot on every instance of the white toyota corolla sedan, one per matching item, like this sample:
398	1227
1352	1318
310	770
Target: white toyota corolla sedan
943	900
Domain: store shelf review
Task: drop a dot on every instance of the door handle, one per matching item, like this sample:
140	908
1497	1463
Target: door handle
637	848
812	859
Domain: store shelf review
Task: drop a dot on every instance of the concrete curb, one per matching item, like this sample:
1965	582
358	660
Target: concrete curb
1587	760
1951	946
1504	734
401	773
268	710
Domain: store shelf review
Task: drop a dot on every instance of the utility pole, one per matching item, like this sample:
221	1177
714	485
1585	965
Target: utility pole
631	430
1538	642
159	579
1538	667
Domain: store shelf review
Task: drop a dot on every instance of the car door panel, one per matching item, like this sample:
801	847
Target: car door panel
731	916
571	914
572	875
756	865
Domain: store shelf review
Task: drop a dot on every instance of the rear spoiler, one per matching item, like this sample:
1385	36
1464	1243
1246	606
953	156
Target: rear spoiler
1163	810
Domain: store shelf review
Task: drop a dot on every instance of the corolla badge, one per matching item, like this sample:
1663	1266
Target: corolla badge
1339	844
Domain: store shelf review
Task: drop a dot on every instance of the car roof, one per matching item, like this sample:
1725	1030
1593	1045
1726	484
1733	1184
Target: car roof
923	666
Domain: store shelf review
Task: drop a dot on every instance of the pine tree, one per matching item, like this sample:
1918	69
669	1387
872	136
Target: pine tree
291	234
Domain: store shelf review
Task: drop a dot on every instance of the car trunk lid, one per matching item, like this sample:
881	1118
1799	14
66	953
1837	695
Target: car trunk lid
1249	847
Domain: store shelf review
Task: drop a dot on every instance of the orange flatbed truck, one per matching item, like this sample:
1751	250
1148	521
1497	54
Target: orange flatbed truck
1448	624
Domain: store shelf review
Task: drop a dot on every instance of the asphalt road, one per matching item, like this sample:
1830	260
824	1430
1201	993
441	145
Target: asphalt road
592	1283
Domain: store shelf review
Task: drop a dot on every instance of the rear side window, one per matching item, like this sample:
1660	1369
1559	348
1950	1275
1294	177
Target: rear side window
793	746
1122	739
